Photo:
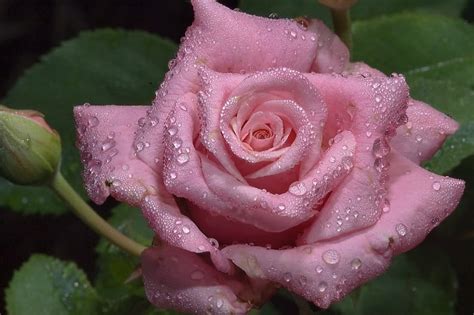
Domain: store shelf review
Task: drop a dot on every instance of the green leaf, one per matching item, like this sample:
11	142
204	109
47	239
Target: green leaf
115	266
364	9
46	285
419	282
435	53
406	42
100	67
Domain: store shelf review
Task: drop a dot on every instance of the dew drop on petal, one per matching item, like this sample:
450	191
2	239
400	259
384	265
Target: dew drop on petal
182	158
401	229
331	257
186	230
297	188
436	186
322	286
356	263
319	269
287	277
93	121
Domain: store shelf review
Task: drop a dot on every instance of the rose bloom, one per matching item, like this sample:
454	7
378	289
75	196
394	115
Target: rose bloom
268	160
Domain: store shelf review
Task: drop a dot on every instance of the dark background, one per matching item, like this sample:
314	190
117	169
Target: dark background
29	29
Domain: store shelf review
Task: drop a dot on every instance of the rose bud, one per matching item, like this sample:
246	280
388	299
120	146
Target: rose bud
30	150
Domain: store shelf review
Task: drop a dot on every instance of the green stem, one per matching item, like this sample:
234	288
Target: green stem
91	218
341	20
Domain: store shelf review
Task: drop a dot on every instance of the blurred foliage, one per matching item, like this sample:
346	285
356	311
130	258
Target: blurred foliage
45	285
435	52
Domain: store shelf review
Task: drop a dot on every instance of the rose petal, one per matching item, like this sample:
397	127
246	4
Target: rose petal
129	180
191	175
281	91
327	271
376	105
104	138
181	280
424	133
245	44
332	55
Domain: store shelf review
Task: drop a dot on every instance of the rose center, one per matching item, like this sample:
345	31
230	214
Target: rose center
262	134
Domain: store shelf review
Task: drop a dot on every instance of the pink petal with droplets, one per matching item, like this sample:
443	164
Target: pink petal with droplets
424	133
128	179
328	270
332	55
245	44
228	100
375	105
199	180
183	281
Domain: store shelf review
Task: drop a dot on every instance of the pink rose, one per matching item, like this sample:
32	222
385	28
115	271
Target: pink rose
266	151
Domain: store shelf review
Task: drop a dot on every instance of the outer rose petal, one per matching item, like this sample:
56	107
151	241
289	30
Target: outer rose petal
181	280
424	133
111	168
425	130
375	105
326	271
245	44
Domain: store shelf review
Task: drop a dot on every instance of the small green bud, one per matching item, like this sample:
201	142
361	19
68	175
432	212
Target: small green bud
30	150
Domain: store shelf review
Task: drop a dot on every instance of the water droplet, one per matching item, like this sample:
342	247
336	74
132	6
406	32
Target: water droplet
219	303
107	145
186	230
139	146
177	143
319	269
142	121
297	189
116	183
182	158
293	34
332	159
356	263
368	134
378	99
386	206
322	286
93	121
436	186
287	277
197	275
419	138
401	229
346	163
173	175
172	131
281	207
331	257
380	148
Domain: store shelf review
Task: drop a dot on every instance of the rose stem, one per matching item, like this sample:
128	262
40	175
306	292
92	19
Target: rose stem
341	20
61	186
